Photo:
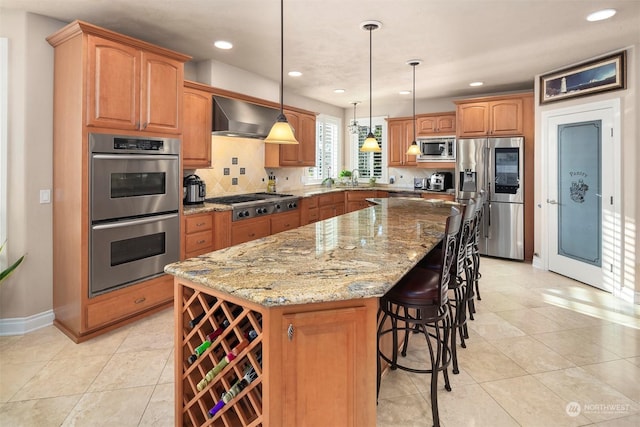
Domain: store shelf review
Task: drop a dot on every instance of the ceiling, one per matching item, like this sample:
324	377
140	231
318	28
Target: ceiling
503	43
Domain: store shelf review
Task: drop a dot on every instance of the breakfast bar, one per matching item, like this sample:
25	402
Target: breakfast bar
281	331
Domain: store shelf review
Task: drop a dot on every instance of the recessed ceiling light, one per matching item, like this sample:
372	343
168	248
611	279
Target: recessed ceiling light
295	73
476	84
221	44
601	15
404	92
339	91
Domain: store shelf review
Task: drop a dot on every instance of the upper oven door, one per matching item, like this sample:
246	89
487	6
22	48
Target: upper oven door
124	185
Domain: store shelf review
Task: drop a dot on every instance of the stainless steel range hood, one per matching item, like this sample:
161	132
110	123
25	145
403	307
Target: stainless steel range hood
232	117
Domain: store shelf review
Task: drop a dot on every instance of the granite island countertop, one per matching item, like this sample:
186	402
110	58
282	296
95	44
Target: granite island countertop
361	254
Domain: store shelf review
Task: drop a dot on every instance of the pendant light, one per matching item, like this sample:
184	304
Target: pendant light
414	149
353	126
281	132
370	144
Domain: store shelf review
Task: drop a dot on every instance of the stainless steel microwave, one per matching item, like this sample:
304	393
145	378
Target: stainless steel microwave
437	149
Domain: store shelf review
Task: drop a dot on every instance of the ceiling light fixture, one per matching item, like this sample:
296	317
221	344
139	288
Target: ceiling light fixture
353	126
339	91
414	149
281	132
224	45
475	84
601	15
404	92
370	144
295	73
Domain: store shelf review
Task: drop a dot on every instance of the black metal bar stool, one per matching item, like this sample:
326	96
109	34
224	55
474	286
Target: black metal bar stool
474	253
461	274
419	302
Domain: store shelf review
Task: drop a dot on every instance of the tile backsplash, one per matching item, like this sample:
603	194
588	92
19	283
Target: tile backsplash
238	167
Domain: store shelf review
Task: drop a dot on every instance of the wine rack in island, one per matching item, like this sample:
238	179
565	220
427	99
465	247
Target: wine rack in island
220	366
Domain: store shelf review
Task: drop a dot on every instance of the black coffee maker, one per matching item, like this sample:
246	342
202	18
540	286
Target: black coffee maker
194	190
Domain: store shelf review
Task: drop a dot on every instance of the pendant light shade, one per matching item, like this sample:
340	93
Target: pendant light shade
281	132
414	148
370	144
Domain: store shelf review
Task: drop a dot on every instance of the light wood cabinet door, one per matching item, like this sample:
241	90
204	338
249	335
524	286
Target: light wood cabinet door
132	89
316	392
196	128
285	221
161	94
400	137
249	229
506	117
473	119
493	118
436	125
303	154
113	75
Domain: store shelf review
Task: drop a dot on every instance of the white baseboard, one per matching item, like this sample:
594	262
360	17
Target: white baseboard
23	325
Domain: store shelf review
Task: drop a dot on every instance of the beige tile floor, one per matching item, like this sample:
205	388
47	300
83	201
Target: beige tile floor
540	344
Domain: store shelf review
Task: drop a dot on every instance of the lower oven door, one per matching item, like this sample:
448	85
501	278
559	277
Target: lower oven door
129	251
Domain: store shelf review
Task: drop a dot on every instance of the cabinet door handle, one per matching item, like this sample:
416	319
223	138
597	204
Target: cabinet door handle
200	224
140	300
200	242
290	331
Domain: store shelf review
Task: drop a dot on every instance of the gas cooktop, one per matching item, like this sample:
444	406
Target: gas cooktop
250	205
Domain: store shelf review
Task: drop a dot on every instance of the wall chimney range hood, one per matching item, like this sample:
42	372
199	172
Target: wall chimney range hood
232	117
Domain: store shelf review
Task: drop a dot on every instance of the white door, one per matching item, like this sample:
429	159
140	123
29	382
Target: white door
582	238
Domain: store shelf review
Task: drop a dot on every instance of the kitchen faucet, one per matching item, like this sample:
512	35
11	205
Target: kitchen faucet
355	174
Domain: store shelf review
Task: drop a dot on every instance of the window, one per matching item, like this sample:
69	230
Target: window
370	165
327	143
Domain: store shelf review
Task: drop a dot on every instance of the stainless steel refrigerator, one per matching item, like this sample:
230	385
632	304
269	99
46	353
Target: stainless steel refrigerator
495	165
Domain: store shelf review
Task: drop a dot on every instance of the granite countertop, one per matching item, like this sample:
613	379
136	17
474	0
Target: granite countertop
360	254
309	191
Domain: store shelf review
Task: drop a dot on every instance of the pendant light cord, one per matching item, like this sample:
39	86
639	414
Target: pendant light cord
370	80
414	101
281	57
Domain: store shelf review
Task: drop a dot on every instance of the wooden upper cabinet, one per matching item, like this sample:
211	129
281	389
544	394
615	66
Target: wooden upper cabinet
302	154
501	117
427	125
161	94
132	89
196	127
400	137
113	83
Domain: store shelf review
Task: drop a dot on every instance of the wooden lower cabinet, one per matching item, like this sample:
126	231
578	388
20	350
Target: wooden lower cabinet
284	221
309	212
356	200
198	235
250	229
315	363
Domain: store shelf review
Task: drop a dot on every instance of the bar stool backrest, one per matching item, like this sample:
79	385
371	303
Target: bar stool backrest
465	236
449	248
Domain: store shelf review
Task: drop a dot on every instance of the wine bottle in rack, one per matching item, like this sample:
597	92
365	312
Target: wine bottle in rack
225	361
207	342
198	318
250	374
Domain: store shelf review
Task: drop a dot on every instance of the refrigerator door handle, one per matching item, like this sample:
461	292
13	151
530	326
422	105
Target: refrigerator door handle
487	229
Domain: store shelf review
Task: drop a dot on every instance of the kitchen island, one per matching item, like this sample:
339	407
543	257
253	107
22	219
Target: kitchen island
294	314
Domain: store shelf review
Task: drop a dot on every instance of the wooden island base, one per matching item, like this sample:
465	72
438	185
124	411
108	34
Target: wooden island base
315	363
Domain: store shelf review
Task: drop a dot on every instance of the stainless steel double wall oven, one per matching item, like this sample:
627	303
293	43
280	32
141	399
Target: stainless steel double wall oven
134	195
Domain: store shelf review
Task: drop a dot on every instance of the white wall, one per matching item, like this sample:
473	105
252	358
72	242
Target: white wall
629	175
30	116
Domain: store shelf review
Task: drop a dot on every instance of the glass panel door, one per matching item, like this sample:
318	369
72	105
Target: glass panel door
580	191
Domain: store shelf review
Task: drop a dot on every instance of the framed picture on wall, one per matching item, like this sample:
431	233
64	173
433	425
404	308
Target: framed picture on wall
600	75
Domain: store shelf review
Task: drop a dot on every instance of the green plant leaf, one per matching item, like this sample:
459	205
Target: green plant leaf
5	273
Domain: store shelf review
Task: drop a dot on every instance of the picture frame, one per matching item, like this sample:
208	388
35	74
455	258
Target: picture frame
588	78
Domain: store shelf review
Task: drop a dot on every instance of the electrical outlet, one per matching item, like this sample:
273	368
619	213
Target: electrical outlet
45	196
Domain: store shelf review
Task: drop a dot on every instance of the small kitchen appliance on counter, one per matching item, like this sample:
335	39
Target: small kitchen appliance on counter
194	190
440	181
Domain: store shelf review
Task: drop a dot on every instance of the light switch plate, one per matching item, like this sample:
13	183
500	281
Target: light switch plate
45	196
